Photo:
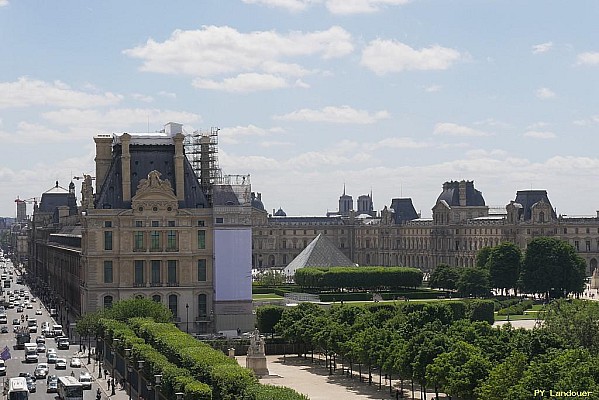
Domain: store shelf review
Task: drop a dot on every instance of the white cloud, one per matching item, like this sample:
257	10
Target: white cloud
222	50
27	92
291	5
27	132
340	115
537	125
540	134
232	135
117	120
433	88
360	6
3	3
169	95
250	82
545	93
542	48
586	122
588	58
384	56
399	143
142	97
451	129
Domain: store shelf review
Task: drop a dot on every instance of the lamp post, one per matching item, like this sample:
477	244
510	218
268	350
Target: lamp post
187	317
128	369
140	367
157	382
179	395
115	342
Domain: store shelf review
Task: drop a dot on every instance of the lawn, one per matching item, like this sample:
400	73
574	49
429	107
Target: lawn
266	296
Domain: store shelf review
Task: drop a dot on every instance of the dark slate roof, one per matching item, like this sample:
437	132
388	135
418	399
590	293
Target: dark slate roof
451	194
257	202
528	198
280	213
55	197
321	252
403	210
145	159
224	195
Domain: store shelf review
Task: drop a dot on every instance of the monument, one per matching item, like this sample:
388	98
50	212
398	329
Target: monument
256	357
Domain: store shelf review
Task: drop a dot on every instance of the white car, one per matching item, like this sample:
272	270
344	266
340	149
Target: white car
61	363
75	362
38	311
86	380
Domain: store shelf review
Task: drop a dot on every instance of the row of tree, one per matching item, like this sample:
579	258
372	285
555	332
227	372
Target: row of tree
549	266
361	278
427	345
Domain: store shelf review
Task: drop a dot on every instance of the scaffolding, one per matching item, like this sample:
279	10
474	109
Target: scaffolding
201	149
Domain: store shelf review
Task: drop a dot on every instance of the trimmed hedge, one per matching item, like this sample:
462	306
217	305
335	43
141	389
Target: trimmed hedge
270	392
516	309
364	296
481	310
365	278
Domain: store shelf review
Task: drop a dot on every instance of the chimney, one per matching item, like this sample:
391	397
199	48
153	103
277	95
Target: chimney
462	190
103	158
126	166
260	196
179	158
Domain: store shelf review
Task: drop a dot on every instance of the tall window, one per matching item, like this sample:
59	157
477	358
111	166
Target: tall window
171	240
155	240
201	239
202	270
155	278
172	272
138	242
107	301
172	305
139	272
202	305
157	298
107	240
108	272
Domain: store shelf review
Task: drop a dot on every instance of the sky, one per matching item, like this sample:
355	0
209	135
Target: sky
392	97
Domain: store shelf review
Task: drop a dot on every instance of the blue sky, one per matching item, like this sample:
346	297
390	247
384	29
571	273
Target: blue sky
389	96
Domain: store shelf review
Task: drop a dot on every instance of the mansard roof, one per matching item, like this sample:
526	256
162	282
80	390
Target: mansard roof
451	194
320	252
148	156
528	198
403	210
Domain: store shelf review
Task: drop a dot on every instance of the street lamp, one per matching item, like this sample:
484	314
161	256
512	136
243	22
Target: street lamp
187	316
129	368
179	395
140	367
115	342
157	382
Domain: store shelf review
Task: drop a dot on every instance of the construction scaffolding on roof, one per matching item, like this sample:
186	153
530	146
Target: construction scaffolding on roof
201	149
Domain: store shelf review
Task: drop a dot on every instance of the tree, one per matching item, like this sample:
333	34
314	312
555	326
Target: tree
122	310
474	282
503	263
552	267
482	257
575	322
444	277
503	377
272	278
267	317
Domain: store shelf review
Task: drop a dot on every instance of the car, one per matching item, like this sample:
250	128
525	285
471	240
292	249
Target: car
40	339
19	309
26	375
29	306
4	329
16	321
75	362
31	385
33	300
52	384
41	348
50	350
86	380
51	358
2	367
63	343
40	372
38	311
61	363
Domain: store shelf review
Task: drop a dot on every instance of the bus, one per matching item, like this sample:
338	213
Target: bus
17	389
69	388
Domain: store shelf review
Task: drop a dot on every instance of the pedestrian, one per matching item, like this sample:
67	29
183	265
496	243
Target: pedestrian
108	384
396	394
84	349
105	373
98	394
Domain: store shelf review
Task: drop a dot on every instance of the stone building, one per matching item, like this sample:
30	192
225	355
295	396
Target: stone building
156	229
460	226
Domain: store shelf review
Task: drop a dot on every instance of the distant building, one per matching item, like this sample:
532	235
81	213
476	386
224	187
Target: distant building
461	224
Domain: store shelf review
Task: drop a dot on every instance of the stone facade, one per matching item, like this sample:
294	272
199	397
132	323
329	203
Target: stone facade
460	226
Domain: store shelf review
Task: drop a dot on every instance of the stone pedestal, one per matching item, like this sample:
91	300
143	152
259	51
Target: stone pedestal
256	357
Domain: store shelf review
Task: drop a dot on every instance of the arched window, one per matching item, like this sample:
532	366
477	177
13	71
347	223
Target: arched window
157	298
202	305
139	296
172	304
107	301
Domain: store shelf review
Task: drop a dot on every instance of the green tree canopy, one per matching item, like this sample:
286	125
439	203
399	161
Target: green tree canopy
444	277
482	257
503	263
474	282
552	267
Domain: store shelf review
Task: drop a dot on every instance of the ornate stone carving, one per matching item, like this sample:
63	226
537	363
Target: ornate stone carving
154	194
256	357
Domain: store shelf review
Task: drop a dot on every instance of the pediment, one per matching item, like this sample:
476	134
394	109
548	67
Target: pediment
153	193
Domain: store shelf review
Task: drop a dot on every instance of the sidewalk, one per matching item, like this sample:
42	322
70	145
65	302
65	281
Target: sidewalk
120	394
